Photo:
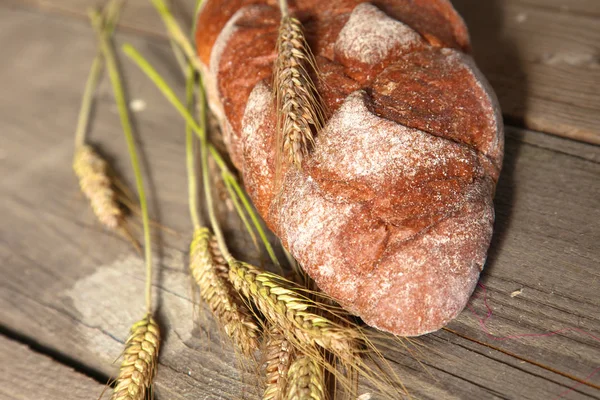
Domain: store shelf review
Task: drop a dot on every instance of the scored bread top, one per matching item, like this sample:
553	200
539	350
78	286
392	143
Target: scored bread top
392	211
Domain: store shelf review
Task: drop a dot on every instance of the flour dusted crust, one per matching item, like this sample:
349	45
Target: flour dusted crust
392	212
370	37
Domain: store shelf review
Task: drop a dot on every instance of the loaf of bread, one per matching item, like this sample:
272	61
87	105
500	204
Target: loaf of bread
391	213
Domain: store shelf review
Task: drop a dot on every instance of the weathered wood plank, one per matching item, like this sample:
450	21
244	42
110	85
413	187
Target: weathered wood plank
25	374
541	57
555	143
585	7
545	245
71	287
542	60
138	15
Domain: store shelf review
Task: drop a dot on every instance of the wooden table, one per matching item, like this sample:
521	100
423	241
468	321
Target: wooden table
70	290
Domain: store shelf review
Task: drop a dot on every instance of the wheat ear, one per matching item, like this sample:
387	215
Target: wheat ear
298	103
306	380
208	267
278	300
96	184
140	360
279	354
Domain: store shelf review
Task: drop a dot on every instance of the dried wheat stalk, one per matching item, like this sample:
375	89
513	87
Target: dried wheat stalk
298	103
208	269
285	308
306	380
140	360
279	354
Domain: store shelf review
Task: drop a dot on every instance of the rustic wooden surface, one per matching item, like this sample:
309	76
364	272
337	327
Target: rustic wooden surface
25	374
71	290
543	59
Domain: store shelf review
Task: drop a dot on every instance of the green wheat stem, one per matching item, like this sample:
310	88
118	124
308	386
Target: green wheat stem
218	232
196	13
86	102
230	179
180	58
250	210
240	210
176	45
110	19
160	83
189	152
113	72
176	33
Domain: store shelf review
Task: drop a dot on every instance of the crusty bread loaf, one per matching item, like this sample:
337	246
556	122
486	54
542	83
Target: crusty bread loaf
391	213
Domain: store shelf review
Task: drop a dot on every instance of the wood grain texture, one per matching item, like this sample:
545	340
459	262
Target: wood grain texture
542	58
72	287
25	374
138	16
585	7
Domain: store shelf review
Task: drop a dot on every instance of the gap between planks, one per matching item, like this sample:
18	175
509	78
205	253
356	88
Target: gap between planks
27	374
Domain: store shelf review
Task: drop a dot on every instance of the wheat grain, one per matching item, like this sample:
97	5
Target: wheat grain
279	354
306	380
208	269
280	303
140	360
298	103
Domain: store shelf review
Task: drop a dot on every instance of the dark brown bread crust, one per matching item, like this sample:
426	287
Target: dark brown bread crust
392	213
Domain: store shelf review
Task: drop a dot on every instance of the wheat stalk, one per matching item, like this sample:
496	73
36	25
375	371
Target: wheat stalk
176	33
208	269
279	354
306	380
298	105
91	169
108	21
280	303
140	360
